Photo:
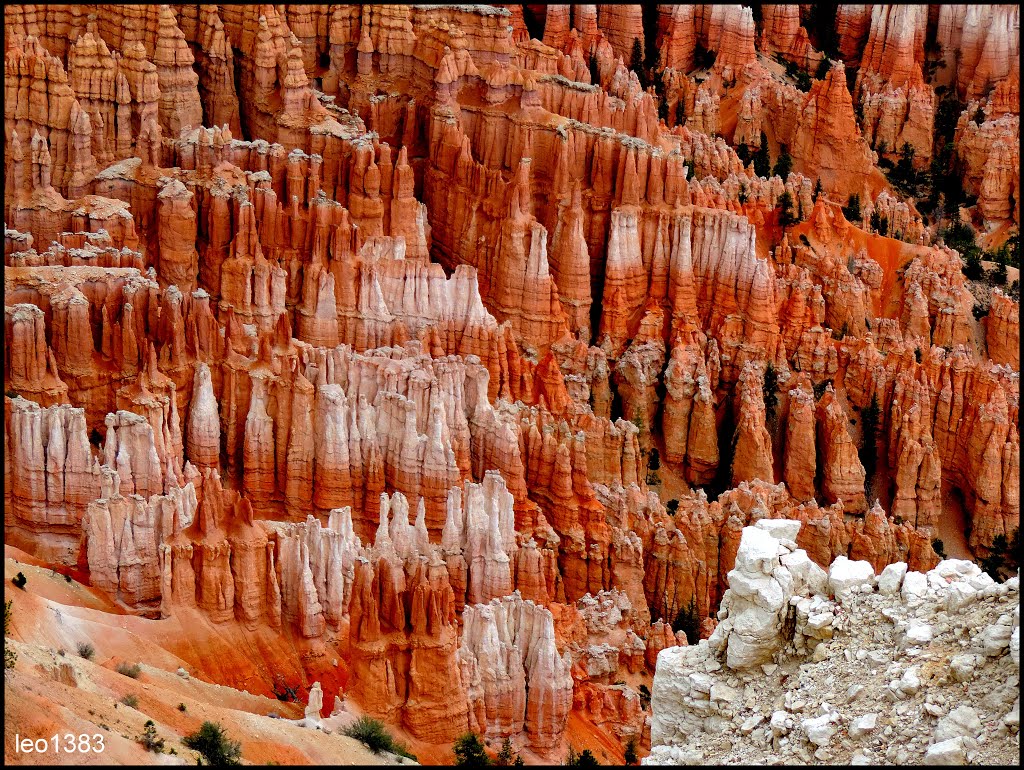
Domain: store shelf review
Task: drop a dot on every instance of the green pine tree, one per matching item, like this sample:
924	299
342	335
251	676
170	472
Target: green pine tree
762	162
469	751
787	215
852	208
783	165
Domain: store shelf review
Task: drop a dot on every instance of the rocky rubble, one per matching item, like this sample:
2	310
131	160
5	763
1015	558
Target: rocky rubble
844	668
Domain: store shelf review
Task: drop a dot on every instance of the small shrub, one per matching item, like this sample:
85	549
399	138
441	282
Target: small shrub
67	578
182	707
130	701
373	734
769	389
672	506
284	692
819	389
213	744
150	739
133	670
19	581
86	650
645	697
629	756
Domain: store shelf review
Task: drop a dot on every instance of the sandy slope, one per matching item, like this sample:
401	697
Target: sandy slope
52	689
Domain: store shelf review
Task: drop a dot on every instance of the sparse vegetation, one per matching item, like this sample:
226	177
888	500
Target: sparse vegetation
798	73
998	274
1003	557
852	208
133	670
373	734
653	465
507	756
960	236
688	621
629	755
880	223
636	63
86	650
645	697
469	751
283	692
182	707
19	581
10	656
903	176
770	388
150	739
131	701
703	58
868	444
672	506
214	746
583	759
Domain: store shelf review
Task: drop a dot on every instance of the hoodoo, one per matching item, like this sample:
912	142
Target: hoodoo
557	382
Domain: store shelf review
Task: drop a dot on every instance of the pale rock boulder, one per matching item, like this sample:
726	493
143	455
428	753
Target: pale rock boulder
961	721
951	752
863	725
783	529
891	578
768	572
844	575
820	729
915	586
995	638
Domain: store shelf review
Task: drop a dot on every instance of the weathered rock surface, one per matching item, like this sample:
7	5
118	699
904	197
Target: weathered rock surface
411	346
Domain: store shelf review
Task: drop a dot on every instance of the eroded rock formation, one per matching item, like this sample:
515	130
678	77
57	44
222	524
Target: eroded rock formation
365	326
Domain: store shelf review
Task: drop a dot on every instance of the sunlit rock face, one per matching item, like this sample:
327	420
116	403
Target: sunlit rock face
462	343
